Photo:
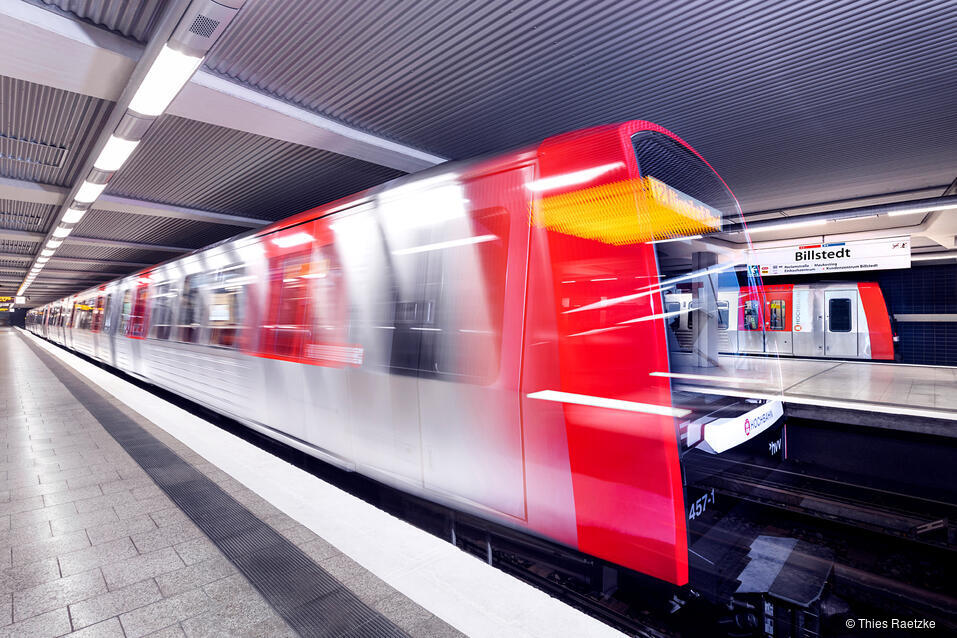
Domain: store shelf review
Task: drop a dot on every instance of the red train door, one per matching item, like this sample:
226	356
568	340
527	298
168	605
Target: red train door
777	319
287	326
750	321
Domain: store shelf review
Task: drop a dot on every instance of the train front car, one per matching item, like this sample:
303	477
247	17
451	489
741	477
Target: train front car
621	217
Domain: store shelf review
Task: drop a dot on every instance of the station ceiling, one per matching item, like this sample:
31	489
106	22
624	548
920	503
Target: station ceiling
795	103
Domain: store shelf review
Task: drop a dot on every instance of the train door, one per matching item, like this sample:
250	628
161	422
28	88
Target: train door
386	302
329	352
96	327
111	307
468	371
840	323
807	322
750	322
777	320
122	350
727	323
288	327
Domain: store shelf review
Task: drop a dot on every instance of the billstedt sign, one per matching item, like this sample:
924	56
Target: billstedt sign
844	256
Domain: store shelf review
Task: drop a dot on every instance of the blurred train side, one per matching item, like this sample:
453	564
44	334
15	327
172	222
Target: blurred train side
420	332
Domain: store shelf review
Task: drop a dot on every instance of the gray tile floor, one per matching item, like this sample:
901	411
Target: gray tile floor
89	546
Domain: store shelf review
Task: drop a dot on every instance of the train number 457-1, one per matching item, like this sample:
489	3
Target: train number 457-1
700	506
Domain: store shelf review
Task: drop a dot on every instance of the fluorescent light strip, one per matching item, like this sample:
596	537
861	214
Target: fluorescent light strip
442	245
62	231
922	209
73	215
168	74
89	192
787	226
931	257
613	404
115	153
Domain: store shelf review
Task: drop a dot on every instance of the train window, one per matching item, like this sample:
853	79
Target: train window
97	323
777	315
329	311
673	310
665	159
136	325
126	311
85	318
190	322
460	318
291	327
225	298
108	322
723	314
751	315
839	315
161	312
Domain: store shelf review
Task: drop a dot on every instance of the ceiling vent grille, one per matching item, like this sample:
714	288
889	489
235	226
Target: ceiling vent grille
203	26
29	152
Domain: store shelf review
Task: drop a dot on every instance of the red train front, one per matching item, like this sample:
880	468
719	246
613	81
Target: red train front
492	335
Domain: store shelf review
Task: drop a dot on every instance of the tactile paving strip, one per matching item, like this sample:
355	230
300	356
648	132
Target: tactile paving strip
310	599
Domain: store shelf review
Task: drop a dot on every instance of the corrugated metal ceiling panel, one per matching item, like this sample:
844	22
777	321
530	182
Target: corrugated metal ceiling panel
154	230
793	102
18	247
15	215
199	165
40	117
110	252
132	19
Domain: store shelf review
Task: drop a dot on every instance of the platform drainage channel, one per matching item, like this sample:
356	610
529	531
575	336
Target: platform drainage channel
310	599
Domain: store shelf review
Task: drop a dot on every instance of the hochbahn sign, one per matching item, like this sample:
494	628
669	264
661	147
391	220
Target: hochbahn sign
844	256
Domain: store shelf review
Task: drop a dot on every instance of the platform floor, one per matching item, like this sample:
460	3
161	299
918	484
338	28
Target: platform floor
93	546
889	388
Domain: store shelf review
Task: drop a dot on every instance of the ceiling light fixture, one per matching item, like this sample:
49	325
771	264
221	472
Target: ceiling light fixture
89	192
170	71
73	215
115	153
922	209
787	226
199	27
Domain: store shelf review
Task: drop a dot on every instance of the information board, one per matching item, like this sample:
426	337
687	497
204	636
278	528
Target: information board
849	256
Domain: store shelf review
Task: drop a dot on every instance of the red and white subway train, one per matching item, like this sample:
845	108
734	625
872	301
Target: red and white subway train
488	334
831	320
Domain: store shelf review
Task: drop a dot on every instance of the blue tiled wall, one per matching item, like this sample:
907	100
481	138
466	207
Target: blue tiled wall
924	290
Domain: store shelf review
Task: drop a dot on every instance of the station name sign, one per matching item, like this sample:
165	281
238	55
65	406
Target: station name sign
849	256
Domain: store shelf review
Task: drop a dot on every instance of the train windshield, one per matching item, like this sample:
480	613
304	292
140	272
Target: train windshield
714	305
